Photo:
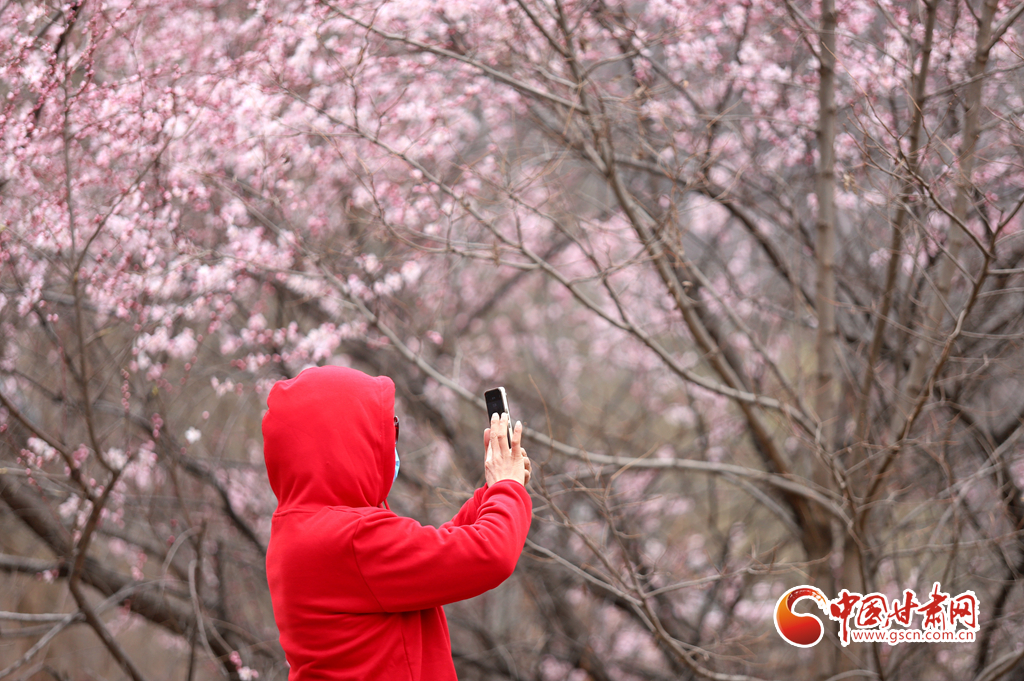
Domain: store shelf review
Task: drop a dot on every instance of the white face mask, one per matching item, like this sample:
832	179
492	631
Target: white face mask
398	464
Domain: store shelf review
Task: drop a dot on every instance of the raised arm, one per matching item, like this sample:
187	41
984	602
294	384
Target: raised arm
468	513
407	566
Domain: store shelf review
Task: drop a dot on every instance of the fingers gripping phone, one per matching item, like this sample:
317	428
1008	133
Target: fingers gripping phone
497	403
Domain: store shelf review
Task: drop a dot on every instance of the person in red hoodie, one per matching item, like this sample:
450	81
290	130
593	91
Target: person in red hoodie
356	589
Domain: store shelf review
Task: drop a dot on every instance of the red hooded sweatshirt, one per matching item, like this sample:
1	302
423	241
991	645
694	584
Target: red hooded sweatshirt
357	590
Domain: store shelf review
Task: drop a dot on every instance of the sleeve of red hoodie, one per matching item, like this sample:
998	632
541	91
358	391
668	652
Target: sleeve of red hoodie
408	566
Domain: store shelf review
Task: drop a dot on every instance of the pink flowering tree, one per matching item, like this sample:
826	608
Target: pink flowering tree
752	275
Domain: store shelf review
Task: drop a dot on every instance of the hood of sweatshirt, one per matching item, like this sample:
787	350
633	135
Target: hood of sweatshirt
329	439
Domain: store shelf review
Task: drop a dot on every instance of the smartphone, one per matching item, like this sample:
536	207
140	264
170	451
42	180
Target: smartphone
497	403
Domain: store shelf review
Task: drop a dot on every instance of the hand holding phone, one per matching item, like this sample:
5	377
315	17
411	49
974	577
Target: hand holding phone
506	461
